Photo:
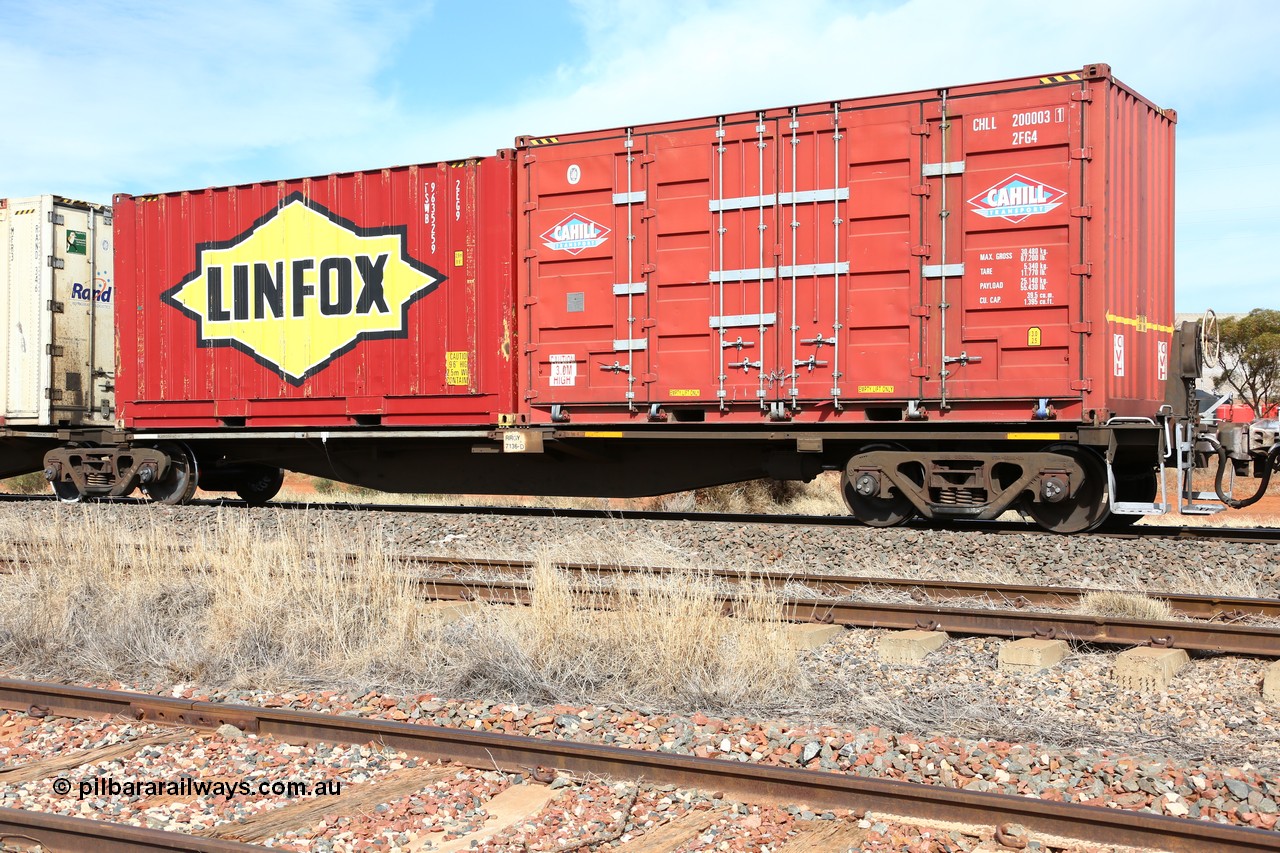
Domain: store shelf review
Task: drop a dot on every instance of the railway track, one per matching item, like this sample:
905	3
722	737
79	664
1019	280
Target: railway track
1247	535
1197	635
549	758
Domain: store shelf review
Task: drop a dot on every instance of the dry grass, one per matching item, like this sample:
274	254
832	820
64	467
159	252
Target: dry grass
268	603
1125	605
646	637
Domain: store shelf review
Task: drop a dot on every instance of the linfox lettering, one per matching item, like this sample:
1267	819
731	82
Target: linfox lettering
326	285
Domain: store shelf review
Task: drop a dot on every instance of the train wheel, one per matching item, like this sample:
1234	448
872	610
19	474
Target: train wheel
66	491
179	482
871	509
1084	510
1141	486
261	485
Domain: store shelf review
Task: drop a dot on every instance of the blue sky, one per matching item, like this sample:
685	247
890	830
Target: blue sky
119	96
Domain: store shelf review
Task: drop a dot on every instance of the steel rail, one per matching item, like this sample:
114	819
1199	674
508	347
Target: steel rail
1014	595
751	782
1243	535
1190	635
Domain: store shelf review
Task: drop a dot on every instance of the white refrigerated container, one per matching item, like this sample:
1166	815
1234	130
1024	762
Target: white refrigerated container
57	278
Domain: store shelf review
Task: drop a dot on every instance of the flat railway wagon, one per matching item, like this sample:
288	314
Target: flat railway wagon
960	298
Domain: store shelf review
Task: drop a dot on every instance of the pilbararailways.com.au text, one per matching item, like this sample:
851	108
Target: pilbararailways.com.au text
187	786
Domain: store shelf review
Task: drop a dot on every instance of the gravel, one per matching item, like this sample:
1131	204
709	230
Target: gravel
1205	749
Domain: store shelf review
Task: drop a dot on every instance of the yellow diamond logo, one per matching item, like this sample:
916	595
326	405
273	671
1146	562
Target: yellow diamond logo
301	287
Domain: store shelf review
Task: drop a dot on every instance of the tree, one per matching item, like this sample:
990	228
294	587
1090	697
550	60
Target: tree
1251	358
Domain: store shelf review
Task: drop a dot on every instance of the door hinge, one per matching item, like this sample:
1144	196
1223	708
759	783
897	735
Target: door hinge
645	269
919	130
56	218
1081	384
530	254
54	306
54	350
920	251
921	311
1082	95
922	372
529	206
1081	269
1084	211
648	323
57	263
1085	153
922	189
53	394
646	159
1085	328
647	213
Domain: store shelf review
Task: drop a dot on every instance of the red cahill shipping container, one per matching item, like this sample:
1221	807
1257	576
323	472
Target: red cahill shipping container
1001	251
378	297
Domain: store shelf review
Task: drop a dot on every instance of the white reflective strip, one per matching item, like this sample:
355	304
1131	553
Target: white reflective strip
736	320
628	346
740	275
815	269
718	204
805	197
942	270
838	194
637	197
632	287
933	170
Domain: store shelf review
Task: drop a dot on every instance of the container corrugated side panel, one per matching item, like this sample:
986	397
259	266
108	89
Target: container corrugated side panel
371	297
1132	252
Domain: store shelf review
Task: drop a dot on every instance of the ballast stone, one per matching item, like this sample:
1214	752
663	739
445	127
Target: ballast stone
1148	669
909	646
1032	655
1271	684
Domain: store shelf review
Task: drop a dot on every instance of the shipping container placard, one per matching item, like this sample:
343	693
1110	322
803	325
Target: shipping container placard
76	242
301	287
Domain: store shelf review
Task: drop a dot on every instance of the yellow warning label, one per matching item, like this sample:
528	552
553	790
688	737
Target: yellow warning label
685	392
1033	436
589	434
457	259
875	389
1033	336
457	368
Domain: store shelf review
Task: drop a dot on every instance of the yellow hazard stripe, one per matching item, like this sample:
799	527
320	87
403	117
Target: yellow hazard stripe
27	210
1034	436
1141	323
544	140
590	434
1060	78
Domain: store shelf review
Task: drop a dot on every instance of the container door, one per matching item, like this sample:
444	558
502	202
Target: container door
1001	207
82	346
586	240
846	211
717	336
28	235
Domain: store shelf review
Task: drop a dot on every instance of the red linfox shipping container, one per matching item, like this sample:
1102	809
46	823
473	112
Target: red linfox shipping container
376	297
992	252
